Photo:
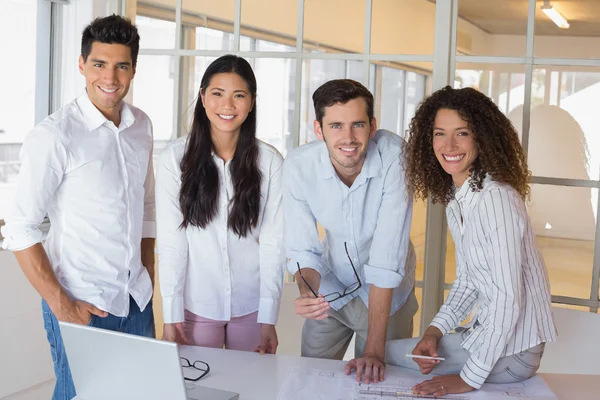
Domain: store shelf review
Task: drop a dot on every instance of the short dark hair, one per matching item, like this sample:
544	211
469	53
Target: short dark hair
113	29
340	91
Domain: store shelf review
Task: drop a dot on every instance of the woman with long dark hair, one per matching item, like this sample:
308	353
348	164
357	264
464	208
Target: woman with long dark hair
463	152
220	228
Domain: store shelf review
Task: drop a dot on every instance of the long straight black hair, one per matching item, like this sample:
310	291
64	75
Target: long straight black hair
199	194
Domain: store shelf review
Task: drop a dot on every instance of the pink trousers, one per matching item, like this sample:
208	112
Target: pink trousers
240	333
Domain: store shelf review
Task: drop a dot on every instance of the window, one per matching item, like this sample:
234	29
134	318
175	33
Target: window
22	102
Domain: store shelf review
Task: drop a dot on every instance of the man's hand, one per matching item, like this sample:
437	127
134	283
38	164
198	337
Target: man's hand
268	339
372	361
309	306
442	385
148	257
427	346
371	365
174	333
78	312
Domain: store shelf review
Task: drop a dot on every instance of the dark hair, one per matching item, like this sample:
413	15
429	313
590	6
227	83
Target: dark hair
199	194
500	152
340	91
113	29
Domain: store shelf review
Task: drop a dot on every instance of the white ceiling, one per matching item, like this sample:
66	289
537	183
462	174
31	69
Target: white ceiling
510	16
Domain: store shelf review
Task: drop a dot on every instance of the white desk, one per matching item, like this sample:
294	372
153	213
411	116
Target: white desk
257	377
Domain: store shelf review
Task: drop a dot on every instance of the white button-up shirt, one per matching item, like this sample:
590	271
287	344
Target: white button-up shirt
212	272
372	217
96	183
498	268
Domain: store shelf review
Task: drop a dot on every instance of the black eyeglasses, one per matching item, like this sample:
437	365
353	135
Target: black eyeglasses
197	365
337	295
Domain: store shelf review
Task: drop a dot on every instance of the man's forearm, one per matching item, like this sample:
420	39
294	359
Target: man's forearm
312	277
148	260
36	267
380	301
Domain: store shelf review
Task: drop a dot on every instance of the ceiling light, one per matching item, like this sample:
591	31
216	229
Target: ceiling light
554	15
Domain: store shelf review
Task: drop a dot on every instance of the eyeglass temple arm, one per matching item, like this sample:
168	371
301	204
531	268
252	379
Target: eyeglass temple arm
351	263
305	282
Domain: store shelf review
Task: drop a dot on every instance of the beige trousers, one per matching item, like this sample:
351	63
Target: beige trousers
329	338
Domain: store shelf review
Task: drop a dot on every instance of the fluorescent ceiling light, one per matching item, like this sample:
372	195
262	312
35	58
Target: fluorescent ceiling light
555	16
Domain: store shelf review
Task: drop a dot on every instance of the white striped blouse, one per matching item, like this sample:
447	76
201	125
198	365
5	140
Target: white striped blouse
500	270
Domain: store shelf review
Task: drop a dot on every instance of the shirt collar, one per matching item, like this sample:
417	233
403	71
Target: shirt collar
467	196
373	164
371	168
94	118
327	170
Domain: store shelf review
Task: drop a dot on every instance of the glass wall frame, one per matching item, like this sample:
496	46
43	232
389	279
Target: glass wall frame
42	95
435	252
416	69
443	59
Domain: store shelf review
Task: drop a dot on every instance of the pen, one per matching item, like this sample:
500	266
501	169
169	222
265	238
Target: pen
424	357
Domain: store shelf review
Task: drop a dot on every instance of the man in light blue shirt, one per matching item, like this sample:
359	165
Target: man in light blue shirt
360	277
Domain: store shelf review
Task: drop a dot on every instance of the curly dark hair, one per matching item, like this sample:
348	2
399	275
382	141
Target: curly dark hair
500	152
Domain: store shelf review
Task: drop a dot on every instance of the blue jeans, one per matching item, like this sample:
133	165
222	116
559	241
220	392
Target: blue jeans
137	323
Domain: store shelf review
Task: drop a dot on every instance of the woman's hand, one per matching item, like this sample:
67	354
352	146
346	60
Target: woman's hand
427	346
174	333
268	339
441	385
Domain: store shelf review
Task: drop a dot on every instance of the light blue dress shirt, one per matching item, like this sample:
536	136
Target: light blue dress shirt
372	217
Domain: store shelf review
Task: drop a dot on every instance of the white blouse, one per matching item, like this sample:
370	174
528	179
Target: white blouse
212	272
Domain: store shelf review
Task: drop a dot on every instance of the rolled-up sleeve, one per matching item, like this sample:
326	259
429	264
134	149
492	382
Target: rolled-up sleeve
301	236
389	249
172	243
149	222
43	160
271	251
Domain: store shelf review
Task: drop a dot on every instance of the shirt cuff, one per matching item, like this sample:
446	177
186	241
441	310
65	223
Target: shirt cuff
475	373
382	277
442	324
173	310
21	241
149	229
306	260
268	311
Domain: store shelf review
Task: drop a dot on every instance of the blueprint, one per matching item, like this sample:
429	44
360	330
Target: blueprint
314	384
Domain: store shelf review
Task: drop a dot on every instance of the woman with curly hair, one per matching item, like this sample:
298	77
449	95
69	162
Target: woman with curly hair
464	153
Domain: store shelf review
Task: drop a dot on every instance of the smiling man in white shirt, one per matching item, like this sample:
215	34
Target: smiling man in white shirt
360	279
89	167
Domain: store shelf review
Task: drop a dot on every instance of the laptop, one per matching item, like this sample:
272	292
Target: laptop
117	366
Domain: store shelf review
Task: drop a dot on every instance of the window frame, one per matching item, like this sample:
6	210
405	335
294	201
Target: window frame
443	61
45	48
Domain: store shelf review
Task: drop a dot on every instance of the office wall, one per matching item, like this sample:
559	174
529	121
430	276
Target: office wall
546	46
563	143
398	27
407	27
24	353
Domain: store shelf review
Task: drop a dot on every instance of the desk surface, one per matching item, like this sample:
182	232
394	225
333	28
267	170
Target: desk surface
257	377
